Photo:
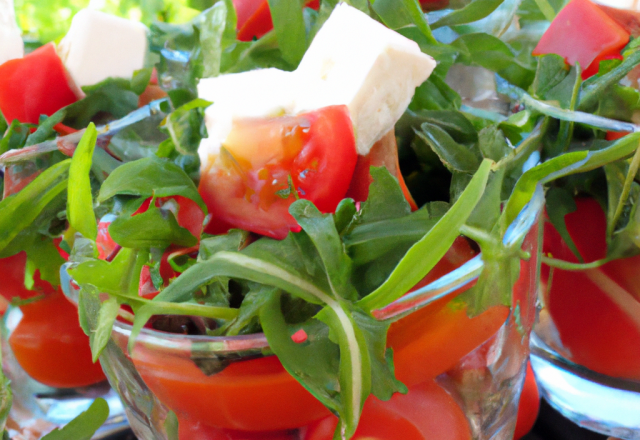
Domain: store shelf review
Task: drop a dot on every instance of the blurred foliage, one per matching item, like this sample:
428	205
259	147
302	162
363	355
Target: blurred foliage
48	20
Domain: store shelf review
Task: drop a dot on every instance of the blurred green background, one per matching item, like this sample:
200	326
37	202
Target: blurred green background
48	20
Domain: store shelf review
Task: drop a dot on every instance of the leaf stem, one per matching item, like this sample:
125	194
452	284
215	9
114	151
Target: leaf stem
546	9
626	190
567	265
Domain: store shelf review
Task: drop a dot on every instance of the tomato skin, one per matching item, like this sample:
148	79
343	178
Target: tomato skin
426	412
583	33
35	85
251	395
384	153
50	346
315	151
595	311
529	406
12	285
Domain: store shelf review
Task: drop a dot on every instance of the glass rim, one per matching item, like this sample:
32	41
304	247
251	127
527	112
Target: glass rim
445	285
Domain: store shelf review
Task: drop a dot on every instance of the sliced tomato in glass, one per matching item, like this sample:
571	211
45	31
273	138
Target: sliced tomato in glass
266	163
12	286
529	405
583	33
426	412
251	395
50	346
35	85
596	312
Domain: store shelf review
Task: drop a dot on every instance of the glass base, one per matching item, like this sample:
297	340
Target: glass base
610	406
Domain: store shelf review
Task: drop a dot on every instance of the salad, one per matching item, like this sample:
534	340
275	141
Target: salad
267	189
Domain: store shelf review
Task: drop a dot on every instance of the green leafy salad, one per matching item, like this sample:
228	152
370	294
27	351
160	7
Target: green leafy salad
117	195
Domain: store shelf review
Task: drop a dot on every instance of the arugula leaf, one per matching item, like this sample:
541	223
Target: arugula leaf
234	240
118	277
453	155
155	227
6	398
185	126
79	199
84	425
559	203
150	177
399	14
15	136
42	255
290	30
45	128
112	96
551	71
473	11
96	319
414	266
561	166
217	30
322	232
20	210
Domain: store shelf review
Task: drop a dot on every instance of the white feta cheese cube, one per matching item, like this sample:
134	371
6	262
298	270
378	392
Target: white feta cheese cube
100	45
358	62
11	45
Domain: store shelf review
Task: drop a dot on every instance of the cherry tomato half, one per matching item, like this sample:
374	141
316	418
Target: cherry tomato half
50	346
583	33
596	312
426	412
35	85
266	163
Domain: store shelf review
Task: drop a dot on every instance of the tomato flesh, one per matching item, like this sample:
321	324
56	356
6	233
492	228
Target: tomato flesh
250	395
50	346
529	405
596	312
583	33
266	163
425	412
35	85
12	285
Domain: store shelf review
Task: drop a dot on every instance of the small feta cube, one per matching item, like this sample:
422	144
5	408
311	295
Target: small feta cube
11	45
358	62
100	45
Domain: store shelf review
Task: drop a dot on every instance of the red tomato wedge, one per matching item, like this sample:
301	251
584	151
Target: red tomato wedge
35	85
384	153
50	346
266	163
426	412
597	311
254	17
529	405
583	33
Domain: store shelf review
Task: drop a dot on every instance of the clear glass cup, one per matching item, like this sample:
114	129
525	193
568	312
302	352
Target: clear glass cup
464	373
586	342
46	354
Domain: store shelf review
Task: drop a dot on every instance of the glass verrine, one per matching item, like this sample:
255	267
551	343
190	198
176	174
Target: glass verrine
585	344
464	373
46	354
